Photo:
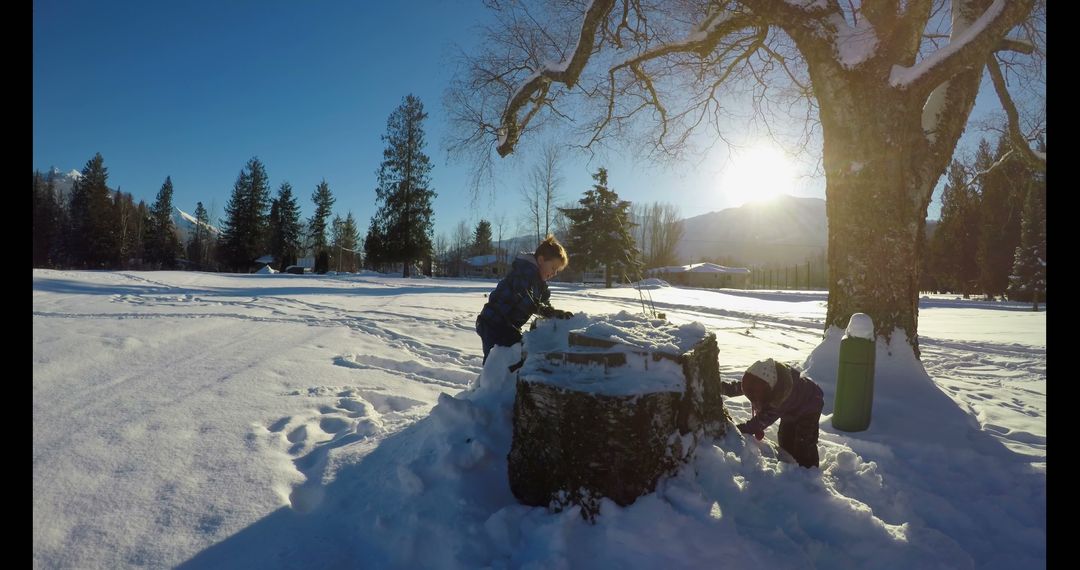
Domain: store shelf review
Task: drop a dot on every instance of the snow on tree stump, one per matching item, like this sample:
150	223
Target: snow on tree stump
608	405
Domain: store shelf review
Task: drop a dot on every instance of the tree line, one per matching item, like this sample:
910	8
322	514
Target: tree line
91	226
991	239
601	232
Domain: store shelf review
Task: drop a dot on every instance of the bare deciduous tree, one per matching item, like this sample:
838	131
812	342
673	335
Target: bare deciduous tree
461	241
542	191
659	229
887	85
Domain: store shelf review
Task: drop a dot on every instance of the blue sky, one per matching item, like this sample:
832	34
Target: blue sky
192	90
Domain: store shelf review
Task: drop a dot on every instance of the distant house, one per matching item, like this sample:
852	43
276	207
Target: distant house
303	265
708	275
484	266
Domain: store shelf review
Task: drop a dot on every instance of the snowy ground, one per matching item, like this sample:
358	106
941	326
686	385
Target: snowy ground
261	421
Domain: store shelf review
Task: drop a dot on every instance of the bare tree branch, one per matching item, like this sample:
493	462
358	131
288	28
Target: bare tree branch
535	89
1020	144
966	52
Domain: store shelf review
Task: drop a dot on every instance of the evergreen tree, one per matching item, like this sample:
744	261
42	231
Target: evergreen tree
59	253
197	245
128	226
1002	192
92	238
162	243
46	220
244	237
285	227
324	200
1028	279
955	243
374	251
344	243
402	227
600	232
482	239
142	222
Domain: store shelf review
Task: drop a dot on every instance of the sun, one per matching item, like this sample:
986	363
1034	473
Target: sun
756	174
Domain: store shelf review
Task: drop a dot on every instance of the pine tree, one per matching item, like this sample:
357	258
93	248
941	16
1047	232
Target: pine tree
285	227
1028	279
245	236
955	243
482	239
92	237
600	232
197	245
1002	201
323	200
401	229
344	243
142	222
46	219
162	243
128	225
374	251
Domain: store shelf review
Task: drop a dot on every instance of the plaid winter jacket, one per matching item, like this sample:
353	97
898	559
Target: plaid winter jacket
794	396
520	295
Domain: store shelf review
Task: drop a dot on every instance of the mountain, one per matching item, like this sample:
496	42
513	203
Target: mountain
184	222
64	181
185	225
786	230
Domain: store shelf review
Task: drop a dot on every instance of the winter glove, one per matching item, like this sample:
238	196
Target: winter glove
560	314
758	434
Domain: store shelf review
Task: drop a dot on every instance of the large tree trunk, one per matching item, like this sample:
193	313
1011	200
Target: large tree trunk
874	213
881	168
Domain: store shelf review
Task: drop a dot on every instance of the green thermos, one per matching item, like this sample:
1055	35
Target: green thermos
855	377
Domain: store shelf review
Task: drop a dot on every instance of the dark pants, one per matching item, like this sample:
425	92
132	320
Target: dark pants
494	334
799	437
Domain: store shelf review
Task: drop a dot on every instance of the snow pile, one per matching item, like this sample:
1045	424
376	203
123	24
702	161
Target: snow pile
631	330
266	270
860	326
635	336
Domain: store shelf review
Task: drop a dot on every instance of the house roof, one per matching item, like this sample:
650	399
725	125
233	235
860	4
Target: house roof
482	260
701	268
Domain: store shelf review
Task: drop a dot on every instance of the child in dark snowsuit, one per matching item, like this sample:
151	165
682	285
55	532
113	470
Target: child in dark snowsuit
776	390
522	293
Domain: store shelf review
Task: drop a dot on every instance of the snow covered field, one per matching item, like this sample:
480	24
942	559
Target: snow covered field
341	421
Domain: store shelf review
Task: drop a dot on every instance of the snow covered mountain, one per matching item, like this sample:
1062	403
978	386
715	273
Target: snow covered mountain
63	181
184	222
784	230
185	225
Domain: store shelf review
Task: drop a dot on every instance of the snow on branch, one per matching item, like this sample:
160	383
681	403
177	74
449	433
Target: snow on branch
966	50
534	90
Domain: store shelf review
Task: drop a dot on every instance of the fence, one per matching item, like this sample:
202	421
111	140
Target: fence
812	274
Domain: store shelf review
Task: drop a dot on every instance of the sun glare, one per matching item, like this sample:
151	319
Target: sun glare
757	174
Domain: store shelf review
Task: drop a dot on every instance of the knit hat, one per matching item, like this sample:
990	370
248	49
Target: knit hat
765	370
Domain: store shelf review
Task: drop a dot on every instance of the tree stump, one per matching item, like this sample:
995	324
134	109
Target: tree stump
596	417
